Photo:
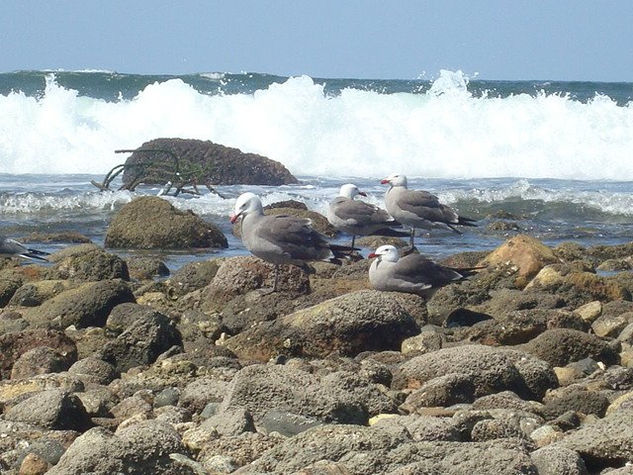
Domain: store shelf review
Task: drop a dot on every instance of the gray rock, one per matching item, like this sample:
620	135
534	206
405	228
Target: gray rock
491	429
560	346
446	390
605	442
490	370
42	360
52	409
286	423
202	391
554	460
362	450
366	320
144	447
147	335
341	396
585	402
93	370
167	397
230	421
132	406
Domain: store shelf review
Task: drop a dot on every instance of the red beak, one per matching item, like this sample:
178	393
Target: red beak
362	193
234	217
372	255
384	181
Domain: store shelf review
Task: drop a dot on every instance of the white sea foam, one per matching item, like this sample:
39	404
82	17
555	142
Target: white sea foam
444	133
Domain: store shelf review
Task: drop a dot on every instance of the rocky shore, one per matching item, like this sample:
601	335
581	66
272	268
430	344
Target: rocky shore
525	368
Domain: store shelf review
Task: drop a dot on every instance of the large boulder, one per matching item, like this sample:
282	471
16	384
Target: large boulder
366	320
145	447
150	222
87	262
87	305
143	335
526	253
604	442
491	370
15	344
52	409
340	396
205	161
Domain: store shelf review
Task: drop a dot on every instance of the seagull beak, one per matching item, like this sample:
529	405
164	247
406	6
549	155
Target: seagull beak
372	255
235	217
362	193
384	181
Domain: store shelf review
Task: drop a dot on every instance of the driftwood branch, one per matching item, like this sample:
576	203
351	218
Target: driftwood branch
181	179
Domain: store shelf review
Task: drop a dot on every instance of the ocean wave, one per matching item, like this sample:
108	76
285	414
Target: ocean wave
445	132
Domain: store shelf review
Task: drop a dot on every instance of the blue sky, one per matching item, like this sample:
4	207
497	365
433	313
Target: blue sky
499	39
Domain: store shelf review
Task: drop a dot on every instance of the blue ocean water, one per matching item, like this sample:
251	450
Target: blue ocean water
557	155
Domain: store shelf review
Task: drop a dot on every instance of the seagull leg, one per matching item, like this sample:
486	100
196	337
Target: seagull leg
276	277
411	247
351	251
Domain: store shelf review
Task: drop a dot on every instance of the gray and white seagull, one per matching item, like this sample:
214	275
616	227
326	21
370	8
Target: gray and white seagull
358	218
281	239
413	273
419	209
13	248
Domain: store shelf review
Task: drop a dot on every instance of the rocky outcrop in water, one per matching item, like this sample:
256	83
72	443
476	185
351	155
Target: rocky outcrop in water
205	161
150	222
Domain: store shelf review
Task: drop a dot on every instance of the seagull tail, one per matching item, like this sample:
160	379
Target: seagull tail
391	233
35	255
467	271
340	252
464	221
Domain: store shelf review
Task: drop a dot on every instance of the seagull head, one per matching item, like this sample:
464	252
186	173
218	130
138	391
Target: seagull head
349	191
395	180
386	252
246	203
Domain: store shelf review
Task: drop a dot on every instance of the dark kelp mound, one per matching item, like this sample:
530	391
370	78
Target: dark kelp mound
204	161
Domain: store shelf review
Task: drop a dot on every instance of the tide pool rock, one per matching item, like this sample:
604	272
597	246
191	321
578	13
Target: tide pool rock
150	222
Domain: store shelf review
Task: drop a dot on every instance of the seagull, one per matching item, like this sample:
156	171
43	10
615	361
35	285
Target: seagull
12	248
282	239
356	217
413	273
419	209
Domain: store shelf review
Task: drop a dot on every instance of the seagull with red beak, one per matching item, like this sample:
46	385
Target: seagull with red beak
281	239
357	217
418	208
412	273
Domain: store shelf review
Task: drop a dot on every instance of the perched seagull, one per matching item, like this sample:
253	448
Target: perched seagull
281	239
359	218
12	248
419	209
413	273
